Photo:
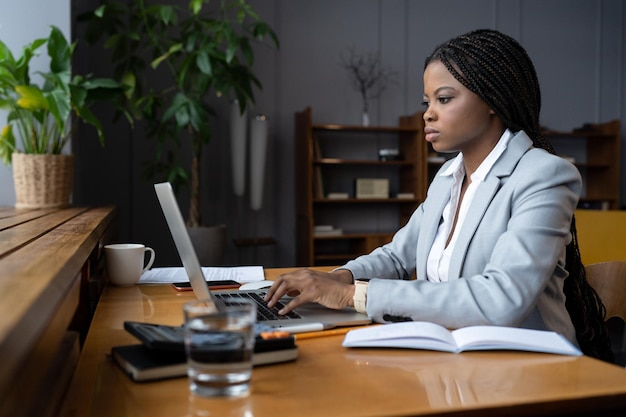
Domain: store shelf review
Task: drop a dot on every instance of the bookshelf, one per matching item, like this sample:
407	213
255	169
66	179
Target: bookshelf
334	222
595	150
334	226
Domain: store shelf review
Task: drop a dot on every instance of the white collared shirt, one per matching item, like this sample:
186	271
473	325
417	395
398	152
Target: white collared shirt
439	256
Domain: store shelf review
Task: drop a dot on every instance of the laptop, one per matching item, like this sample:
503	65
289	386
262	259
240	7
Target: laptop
308	317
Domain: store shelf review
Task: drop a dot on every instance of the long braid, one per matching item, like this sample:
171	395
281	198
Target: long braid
498	69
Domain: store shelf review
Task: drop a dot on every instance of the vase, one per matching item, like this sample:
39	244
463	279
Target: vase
42	180
209	243
365	119
238	127
258	156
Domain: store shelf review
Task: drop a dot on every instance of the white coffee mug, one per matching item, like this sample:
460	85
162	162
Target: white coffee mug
125	262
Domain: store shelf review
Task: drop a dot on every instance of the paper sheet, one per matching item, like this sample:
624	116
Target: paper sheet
240	274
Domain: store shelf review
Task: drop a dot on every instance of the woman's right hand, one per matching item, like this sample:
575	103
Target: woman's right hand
330	289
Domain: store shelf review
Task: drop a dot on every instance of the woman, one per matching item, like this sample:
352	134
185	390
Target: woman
494	242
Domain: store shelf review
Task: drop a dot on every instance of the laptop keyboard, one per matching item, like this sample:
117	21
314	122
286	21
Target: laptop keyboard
263	311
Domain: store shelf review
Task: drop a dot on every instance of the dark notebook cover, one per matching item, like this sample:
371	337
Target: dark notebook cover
144	364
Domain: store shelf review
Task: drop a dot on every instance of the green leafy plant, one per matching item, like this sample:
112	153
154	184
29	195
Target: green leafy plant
40	116
175	60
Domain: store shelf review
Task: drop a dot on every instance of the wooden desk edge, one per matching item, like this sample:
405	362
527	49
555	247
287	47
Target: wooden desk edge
30	341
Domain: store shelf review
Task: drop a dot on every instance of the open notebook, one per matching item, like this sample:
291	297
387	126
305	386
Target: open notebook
304	318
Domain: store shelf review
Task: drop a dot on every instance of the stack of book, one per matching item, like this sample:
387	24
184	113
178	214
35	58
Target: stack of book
326	230
161	357
337	196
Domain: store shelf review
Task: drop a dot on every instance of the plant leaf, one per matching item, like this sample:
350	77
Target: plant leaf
31	98
59	50
195	6
61	108
173	49
7	144
204	63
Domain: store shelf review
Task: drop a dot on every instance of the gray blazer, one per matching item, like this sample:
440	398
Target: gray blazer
507	267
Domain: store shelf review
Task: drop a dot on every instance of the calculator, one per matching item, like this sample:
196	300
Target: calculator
172	338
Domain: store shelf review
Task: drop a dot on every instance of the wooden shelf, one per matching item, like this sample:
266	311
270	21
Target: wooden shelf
354	235
337	250
598	159
366	200
336	161
368	129
329	157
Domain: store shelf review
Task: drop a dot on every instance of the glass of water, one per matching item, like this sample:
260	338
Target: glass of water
219	346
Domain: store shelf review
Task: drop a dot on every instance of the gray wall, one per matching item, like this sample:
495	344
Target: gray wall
578	47
21	22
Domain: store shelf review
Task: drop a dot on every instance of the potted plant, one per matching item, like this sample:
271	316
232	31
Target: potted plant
177	60
41	116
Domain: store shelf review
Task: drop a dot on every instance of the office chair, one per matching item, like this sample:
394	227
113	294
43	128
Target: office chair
609	281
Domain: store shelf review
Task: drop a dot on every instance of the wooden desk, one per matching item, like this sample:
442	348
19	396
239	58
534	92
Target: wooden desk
48	265
329	380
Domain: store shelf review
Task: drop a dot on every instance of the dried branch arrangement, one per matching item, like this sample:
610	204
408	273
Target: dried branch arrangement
368	76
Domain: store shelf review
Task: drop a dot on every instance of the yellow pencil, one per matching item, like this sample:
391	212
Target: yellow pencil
323	333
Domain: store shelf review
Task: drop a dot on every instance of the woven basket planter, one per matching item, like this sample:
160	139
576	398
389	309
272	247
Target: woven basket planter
42	181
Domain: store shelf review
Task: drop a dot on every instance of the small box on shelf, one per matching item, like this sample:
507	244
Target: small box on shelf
372	188
388	154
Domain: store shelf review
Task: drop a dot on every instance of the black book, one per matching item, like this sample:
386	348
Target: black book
162	354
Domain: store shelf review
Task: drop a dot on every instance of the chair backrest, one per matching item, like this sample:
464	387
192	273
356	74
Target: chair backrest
609	281
601	235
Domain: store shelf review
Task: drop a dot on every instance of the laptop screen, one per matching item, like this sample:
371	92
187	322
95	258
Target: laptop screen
185	248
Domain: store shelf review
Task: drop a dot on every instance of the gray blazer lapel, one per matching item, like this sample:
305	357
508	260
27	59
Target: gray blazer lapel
504	166
482	199
439	194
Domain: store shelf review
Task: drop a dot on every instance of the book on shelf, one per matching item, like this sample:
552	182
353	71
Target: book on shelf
434	158
317	151
323	227
337	196
431	336
327	230
318	183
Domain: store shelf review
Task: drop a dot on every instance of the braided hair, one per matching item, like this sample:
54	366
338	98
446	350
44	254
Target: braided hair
498	69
